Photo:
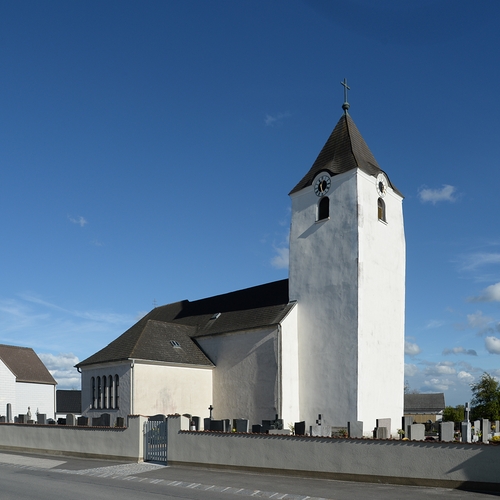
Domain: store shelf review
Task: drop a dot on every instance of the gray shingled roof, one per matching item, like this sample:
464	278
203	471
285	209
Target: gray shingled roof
68	401
424	403
183	322
344	150
25	365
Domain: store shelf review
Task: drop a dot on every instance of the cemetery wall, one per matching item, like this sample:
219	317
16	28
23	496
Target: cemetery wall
89	442
451	465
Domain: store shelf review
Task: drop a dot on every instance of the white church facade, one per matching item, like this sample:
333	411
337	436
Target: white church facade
328	340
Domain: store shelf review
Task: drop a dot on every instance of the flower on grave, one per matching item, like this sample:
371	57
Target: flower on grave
401	432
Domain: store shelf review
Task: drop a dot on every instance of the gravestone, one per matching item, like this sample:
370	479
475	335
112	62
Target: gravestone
96	422
207	424
241	425
2	419
196	422
355	429
446	431
485	430
266	425
405	424
283	432
61	421
385	422
465	432
257	429
476	430
21	419
381	433
41	418
83	421
70	419
300	428
417	432
106	420
9	413
120	422
217	425
496	430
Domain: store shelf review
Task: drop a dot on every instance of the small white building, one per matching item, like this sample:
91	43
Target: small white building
25	383
327	341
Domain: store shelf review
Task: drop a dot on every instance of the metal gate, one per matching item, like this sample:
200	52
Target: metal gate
155	439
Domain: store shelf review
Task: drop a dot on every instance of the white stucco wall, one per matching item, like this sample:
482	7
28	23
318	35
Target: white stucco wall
323	279
41	397
381	307
7	390
245	380
290	403
22	395
165	389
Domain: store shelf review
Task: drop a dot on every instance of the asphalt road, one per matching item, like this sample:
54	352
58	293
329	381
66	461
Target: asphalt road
25	477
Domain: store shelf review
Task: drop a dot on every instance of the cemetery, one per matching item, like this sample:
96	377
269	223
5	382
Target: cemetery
467	459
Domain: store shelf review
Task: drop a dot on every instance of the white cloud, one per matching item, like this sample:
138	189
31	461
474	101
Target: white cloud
460	350
410	370
276	119
443	368
489	294
280	261
492	345
473	261
446	193
477	320
412	349
81	221
433	323
466	377
438	384
61	367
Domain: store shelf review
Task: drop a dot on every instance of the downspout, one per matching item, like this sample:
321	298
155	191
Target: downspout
132	387
280	374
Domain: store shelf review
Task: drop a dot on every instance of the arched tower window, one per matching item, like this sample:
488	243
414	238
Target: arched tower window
111	392
99	393
117	385
105	391
381	210
93	402
324	208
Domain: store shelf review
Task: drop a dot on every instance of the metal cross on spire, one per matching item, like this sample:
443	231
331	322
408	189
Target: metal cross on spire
345	106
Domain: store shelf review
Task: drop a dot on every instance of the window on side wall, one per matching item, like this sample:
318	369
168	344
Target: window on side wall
381	210
324	208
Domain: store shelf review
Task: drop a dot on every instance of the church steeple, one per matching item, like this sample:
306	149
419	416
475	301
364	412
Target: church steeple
344	150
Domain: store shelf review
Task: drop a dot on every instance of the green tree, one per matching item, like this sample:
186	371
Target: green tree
485	401
454	414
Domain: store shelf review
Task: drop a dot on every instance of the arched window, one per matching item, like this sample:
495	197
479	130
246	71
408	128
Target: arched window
111	392
117	384
324	208
381	210
105	392
93	401
99	393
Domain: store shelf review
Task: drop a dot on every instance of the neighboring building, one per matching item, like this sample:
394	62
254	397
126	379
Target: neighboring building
68	401
329	340
25	382
424	407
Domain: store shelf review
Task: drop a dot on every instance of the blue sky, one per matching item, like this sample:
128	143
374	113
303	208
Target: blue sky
147	151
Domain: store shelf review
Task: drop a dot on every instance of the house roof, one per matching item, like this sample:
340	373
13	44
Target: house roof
25	365
424	403
155	336
344	150
68	401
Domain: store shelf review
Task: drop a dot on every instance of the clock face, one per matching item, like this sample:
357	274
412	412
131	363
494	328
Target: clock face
382	184
322	185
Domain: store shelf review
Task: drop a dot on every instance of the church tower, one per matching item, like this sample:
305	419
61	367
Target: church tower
347	274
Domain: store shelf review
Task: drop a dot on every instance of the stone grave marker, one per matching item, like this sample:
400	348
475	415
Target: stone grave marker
207	424
41	418
417	432
70	419
485	430
465	432
446	431
476	430
83	421
405	424
241	425
9	413
355	429
381	433
300	428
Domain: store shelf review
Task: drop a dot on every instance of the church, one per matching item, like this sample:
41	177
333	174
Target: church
328	341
